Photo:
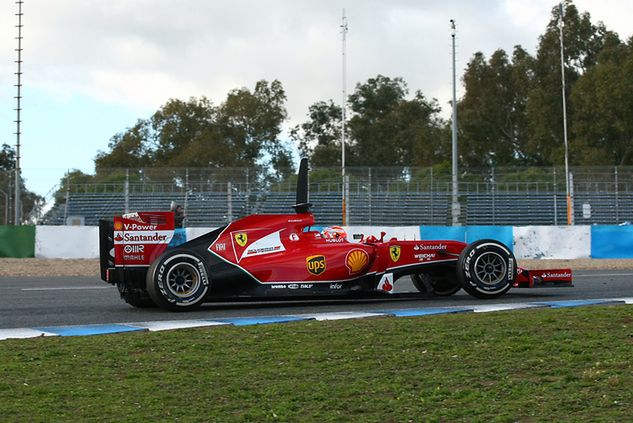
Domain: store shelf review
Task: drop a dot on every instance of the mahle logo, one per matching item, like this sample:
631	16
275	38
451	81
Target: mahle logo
315	264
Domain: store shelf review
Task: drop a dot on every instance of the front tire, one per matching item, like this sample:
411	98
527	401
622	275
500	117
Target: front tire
486	269
178	280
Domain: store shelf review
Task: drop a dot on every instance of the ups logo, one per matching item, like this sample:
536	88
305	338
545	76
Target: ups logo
315	264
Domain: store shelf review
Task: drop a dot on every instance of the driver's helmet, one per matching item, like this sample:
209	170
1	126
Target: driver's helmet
334	232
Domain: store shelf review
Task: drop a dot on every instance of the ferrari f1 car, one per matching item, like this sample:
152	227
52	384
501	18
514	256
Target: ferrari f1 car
281	256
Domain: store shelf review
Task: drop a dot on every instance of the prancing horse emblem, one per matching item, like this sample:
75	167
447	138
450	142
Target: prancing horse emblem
394	252
241	238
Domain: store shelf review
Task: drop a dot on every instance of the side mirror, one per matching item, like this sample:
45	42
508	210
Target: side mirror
382	236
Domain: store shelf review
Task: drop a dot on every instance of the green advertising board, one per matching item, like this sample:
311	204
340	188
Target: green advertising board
17	241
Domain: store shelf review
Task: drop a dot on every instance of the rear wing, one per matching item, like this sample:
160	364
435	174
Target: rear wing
133	240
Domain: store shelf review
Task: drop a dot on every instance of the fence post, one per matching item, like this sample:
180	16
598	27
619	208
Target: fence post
617	199
229	200
570	207
431	195
555	211
369	194
126	191
494	204
186	205
248	194
67	196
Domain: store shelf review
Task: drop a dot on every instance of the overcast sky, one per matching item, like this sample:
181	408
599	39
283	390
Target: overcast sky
93	67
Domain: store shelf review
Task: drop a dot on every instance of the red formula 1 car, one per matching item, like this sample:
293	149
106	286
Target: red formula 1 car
279	256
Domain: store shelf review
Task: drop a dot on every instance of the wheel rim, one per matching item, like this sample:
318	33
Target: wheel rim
490	268
183	280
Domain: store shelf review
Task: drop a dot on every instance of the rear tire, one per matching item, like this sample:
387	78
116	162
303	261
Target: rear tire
178	280
486	269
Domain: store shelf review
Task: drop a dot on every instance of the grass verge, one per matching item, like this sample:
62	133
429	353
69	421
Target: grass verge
531	365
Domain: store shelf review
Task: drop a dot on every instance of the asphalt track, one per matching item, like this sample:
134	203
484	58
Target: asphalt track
61	301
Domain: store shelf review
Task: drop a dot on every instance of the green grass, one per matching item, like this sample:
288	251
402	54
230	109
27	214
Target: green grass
532	365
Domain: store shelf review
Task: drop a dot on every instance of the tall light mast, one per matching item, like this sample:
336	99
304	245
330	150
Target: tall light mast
455	209
345	211
570	200
18	120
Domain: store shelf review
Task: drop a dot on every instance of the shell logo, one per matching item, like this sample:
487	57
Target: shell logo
356	260
118	225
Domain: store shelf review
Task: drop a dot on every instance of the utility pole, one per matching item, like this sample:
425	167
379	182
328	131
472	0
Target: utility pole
345	211
18	121
455	209
568	191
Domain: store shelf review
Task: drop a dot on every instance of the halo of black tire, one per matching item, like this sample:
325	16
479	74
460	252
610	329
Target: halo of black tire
178	280
486	269
439	286
135	297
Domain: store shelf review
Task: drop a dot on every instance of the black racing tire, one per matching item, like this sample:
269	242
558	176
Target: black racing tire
486	269
178	280
138	298
436	285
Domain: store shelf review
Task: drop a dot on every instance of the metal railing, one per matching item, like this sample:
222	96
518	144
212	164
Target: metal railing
378	196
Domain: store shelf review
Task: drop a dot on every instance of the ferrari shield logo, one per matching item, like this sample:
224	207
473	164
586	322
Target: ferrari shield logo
241	238
315	264
394	252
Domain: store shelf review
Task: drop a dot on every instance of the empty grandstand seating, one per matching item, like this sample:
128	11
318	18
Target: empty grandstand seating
212	209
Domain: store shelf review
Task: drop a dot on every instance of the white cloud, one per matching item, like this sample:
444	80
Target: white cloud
138	53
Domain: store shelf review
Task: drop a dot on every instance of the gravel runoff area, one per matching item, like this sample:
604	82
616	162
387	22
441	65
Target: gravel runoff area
12	267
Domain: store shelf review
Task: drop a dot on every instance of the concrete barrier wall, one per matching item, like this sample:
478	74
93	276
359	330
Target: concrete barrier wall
546	242
67	242
552	242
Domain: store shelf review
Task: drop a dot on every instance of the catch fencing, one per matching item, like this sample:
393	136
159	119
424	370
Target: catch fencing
376	196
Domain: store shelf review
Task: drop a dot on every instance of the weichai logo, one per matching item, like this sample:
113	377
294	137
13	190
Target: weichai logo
315	264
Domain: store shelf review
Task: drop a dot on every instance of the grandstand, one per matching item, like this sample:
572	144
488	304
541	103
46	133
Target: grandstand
394	199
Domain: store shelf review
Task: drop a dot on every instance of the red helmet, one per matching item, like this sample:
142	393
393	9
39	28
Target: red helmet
334	232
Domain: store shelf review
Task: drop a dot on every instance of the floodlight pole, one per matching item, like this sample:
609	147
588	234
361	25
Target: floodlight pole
568	191
455	209
344	189
18	121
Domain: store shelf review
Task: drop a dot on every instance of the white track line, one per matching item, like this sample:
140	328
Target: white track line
501	307
627	300
174	324
67	288
22	333
339	315
602	275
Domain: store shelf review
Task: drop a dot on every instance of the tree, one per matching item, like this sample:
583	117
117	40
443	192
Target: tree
385	128
244	131
72	177
389	130
320	137
31	203
491	114
603	105
583	42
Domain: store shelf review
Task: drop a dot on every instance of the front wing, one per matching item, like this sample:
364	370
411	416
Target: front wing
547	278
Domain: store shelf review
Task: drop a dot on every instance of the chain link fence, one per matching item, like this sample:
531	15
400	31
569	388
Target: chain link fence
377	196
